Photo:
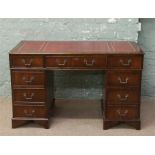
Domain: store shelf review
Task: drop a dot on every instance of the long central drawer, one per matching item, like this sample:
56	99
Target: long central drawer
75	61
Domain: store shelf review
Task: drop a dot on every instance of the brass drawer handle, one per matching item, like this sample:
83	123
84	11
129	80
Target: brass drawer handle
28	81
125	64
26	63
61	64
28	98
122	113
29	114
123	82
89	64
122	98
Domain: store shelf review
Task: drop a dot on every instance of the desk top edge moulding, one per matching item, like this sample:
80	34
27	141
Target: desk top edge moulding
32	64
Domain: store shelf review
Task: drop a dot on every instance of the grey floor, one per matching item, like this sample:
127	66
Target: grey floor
78	118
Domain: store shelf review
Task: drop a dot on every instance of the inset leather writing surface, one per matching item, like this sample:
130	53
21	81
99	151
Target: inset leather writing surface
29	46
76	47
125	47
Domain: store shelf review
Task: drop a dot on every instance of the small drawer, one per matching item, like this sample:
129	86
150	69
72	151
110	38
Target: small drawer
122	96
123	78
28	78
122	112
125	61
29	96
58	61
30	111
26	61
89	61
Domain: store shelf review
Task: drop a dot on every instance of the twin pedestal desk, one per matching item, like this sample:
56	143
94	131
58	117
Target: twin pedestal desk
32	64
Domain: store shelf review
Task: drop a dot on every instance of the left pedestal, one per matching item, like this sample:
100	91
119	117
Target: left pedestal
31	91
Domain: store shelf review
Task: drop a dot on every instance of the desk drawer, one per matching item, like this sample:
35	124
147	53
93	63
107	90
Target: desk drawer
28	78
125	61
26	61
123	78
76	61
89	61
29	96
55	61
122	112
122	96
30	111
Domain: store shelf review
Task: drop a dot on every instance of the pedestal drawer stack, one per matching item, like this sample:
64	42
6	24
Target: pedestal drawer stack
123	85
29	94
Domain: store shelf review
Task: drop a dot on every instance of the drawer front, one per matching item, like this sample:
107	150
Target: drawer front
128	62
76	61
28	78
58	61
26	61
29	96
89	62
122	96
30	111
123	78
122	112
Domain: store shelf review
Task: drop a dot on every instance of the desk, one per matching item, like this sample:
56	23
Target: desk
32	64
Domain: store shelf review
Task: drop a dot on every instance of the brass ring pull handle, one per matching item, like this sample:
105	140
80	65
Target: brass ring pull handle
123	82
122	98
61	64
122	113
26	63
125	64
89	64
28	98
28	81
29	114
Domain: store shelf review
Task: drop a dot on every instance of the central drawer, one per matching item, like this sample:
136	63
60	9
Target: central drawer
29	96
76	61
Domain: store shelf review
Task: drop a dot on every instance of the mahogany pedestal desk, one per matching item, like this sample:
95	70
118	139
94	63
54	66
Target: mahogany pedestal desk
32	64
